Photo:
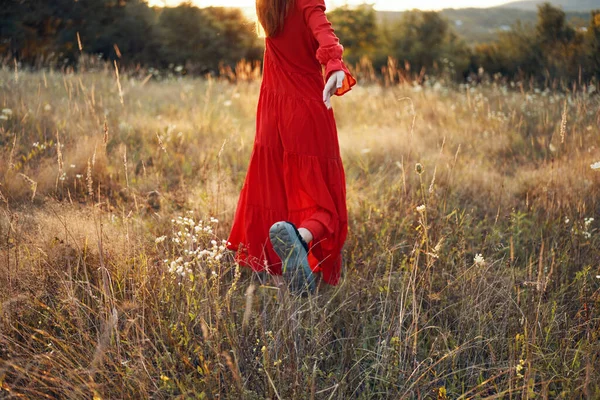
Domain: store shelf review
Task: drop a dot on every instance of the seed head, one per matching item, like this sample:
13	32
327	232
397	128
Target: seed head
419	168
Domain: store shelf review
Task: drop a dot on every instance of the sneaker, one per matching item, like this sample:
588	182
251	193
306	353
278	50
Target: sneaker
293	252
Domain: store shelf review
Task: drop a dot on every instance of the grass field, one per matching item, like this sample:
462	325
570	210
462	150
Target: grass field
472	268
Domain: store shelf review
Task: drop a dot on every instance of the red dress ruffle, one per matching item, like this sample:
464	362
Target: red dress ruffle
296	172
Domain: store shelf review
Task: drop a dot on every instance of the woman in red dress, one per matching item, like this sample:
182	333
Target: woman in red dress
291	216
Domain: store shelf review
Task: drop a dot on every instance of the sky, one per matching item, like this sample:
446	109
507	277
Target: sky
391	5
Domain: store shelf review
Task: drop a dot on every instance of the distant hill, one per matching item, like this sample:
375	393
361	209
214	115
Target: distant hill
479	25
566	5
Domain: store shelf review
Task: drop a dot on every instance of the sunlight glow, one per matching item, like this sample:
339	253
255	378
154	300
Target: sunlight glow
392	5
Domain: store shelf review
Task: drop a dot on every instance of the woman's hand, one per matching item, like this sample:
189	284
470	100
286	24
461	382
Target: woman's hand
335	81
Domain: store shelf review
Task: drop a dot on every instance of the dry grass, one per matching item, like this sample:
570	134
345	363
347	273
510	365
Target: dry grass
92	305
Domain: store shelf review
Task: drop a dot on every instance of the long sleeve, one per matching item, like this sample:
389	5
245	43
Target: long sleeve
330	50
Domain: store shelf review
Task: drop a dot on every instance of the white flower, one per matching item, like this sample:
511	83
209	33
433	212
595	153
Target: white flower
160	239
7	111
597	276
479	260
4	117
47	107
227	103
596	166
421	208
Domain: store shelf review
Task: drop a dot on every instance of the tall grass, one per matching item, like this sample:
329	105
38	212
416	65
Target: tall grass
470	270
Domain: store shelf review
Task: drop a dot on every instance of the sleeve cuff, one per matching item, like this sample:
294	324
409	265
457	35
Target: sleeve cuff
338	65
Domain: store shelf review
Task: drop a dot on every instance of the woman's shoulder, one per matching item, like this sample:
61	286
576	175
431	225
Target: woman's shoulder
302	4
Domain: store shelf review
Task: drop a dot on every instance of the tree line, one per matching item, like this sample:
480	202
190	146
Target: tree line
203	39
549	50
57	32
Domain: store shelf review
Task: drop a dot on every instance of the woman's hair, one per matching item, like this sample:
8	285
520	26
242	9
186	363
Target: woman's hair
272	13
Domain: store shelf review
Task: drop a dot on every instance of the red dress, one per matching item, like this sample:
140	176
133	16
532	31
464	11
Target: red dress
295	172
